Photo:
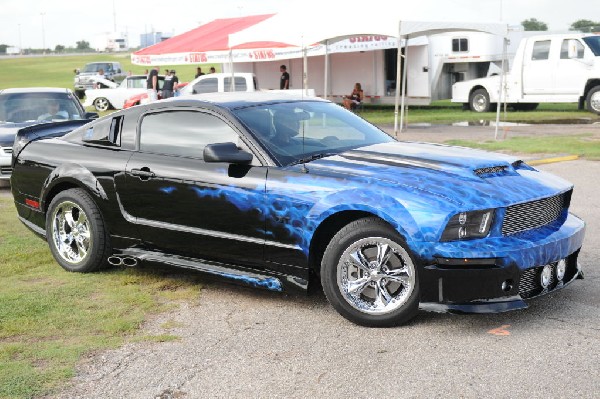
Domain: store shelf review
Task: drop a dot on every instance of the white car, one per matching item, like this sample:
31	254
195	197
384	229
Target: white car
115	95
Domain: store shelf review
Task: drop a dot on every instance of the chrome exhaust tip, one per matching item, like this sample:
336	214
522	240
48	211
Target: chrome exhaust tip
115	260
129	262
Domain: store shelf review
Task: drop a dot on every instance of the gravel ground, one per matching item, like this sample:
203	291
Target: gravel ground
240	342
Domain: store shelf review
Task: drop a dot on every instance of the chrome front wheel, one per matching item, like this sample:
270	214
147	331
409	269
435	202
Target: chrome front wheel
376	275
101	104
369	275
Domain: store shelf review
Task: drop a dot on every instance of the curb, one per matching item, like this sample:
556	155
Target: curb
552	160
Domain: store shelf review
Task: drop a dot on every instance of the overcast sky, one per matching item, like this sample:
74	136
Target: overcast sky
65	22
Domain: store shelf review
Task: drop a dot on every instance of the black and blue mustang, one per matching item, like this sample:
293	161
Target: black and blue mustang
270	189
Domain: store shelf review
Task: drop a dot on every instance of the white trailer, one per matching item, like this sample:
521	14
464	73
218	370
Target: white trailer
434	62
553	68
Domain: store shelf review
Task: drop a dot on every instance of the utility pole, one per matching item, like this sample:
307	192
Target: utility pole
20	45
43	33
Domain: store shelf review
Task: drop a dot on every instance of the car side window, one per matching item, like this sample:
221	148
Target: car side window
209	85
183	133
541	50
578	49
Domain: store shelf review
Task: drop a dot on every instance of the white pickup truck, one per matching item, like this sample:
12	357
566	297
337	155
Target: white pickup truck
221	82
558	68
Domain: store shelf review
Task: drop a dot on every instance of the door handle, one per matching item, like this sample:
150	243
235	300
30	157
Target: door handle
144	173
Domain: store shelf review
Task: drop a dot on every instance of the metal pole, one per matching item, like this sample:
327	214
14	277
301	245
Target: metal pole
500	89
326	79
305	70
397	93
43	33
404	73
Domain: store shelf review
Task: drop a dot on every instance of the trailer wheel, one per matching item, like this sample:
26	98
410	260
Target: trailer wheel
480	101
593	100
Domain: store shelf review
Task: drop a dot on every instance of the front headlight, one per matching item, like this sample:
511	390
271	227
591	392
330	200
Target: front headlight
467	225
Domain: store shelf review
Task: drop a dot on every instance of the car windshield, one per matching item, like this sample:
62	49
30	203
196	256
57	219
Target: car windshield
594	43
96	67
298	132
38	107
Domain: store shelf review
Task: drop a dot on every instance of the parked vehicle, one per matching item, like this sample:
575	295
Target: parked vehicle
269	190
83	79
22	107
221	82
561	68
105	99
142	98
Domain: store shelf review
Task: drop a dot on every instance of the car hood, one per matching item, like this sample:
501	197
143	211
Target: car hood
9	130
471	179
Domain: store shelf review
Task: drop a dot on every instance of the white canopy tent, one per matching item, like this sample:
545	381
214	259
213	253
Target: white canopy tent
303	28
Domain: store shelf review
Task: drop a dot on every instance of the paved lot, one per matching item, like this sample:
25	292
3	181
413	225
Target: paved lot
239	342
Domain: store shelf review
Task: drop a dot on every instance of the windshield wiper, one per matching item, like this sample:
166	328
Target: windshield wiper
312	158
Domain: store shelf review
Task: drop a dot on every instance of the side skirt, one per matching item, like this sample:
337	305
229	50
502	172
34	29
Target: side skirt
252	277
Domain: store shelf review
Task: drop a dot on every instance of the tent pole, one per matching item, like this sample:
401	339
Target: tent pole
305	70
397	93
231	84
500	89
404	73
326	83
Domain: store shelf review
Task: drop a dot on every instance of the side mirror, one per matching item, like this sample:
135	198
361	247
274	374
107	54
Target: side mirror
118	71
226	152
91	115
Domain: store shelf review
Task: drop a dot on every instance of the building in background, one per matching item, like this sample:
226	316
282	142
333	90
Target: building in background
148	39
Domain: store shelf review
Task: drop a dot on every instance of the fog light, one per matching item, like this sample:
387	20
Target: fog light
546	276
507	285
561	269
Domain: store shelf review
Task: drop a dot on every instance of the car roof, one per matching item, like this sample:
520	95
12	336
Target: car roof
35	90
238	99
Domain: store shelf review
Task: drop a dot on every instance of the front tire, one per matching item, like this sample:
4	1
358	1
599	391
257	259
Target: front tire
369	275
76	233
593	100
479	101
101	104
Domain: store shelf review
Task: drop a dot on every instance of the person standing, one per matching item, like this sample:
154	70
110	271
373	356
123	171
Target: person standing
212	70
169	84
152	84
198	72
284	83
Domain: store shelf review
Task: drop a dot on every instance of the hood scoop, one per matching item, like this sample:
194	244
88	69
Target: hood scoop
500	170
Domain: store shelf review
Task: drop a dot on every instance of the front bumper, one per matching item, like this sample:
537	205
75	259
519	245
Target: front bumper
498	274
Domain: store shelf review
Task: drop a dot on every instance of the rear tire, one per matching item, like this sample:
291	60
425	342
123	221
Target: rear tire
76	233
479	101
369	275
593	100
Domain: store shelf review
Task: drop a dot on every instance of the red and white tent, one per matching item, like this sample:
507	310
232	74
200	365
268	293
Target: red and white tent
209	43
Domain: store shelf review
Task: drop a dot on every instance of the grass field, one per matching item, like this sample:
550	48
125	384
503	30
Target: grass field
57	71
49	318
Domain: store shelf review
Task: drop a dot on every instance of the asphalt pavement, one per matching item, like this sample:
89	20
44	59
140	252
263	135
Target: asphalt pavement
241	342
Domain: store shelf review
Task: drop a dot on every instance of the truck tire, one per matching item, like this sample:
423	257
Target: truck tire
101	104
593	100
479	101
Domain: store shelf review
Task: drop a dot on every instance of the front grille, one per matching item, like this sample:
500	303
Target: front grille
490	170
531	215
5	170
7	150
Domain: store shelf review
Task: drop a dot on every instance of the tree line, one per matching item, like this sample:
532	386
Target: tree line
582	25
